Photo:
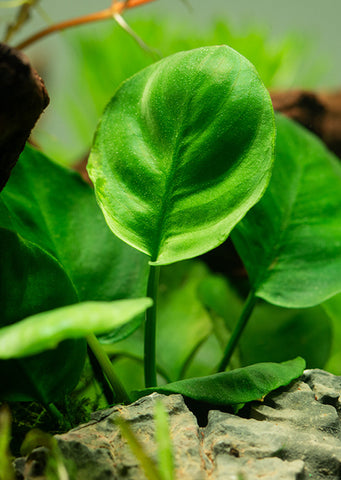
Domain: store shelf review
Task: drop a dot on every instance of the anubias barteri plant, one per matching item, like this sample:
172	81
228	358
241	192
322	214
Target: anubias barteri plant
185	155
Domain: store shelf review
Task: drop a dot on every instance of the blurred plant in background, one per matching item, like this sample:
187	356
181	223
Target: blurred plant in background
100	59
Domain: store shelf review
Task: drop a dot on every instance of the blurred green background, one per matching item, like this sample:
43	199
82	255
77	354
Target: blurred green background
292	44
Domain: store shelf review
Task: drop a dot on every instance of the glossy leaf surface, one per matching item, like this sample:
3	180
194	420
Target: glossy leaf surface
235	387
184	149
46	330
290	242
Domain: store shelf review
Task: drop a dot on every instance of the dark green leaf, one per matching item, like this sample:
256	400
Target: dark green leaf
290	241
45	377
32	281
235	387
183	151
53	208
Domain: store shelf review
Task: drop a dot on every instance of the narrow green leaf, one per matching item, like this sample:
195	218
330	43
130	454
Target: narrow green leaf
46	330
6	468
184	149
137	448
164	442
290	242
235	387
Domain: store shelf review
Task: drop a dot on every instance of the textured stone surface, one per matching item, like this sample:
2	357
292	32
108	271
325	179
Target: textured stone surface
294	434
99	451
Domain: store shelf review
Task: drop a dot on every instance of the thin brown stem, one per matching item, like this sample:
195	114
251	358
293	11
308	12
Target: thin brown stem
116	8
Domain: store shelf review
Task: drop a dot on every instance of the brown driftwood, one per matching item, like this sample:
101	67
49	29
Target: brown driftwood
23	97
319	112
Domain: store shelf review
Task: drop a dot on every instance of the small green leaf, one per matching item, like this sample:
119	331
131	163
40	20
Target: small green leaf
184	149
46	330
290	242
235	387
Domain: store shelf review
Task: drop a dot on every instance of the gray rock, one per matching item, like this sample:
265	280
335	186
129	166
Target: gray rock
294	434
99	452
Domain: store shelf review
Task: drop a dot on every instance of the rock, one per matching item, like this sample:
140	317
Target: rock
294	434
99	451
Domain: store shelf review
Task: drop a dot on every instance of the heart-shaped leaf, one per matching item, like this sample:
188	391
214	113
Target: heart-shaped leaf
46	330
235	387
184	149
290	242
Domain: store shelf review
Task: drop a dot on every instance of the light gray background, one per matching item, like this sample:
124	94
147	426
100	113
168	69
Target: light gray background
319	21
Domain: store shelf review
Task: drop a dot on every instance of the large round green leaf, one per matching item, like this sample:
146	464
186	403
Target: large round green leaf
290	242
183	151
